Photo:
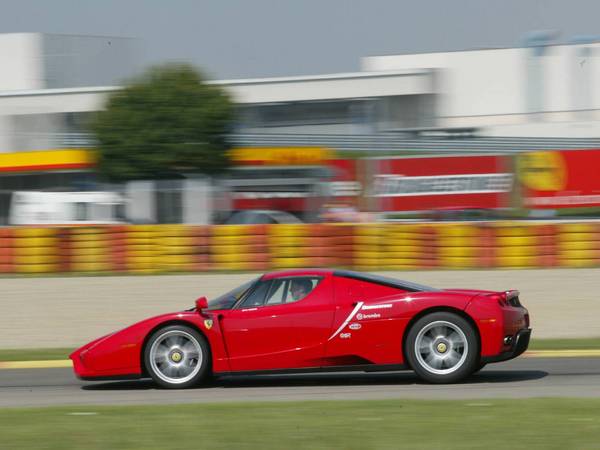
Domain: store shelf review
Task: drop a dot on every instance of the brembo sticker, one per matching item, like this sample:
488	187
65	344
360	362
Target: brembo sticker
361	316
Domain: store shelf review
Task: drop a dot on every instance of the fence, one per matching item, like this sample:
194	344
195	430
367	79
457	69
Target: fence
186	248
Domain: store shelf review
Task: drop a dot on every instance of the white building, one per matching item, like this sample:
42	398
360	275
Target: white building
40	72
49	83
549	91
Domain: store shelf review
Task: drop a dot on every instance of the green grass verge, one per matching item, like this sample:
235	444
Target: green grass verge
565	344
35	354
465	424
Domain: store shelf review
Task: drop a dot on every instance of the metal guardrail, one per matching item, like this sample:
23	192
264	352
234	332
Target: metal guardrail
39	141
376	143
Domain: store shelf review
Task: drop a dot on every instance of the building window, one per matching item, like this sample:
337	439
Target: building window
304	113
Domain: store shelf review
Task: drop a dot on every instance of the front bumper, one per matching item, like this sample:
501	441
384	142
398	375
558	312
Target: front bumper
86	374
84	370
520	344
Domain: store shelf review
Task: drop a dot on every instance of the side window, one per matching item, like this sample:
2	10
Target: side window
257	296
278	292
288	290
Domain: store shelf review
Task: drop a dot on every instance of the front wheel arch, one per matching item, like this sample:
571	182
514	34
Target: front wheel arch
435	309
168	323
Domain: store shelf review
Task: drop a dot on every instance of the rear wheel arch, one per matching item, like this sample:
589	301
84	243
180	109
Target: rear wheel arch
169	323
448	309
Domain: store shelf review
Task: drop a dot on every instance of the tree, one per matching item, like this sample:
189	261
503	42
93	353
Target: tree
165	124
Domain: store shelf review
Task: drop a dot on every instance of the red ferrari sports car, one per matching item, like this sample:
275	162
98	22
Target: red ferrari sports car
316	320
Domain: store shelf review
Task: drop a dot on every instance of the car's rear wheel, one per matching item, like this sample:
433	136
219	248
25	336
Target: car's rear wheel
177	357
442	347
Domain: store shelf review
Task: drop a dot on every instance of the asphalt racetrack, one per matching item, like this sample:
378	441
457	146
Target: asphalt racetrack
521	378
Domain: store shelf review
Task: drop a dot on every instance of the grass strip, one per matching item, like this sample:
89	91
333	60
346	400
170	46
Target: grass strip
35	354
465	424
565	344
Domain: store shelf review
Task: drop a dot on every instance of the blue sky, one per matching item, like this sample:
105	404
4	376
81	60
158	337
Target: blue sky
253	38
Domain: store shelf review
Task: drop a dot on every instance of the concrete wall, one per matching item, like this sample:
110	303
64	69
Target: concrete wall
76	61
46	61
33	120
487	87
53	312
54	101
22	67
484	82
336	86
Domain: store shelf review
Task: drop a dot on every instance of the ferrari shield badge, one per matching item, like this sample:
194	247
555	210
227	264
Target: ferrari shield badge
208	323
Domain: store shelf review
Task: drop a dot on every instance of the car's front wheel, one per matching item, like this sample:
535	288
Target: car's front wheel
442	347
479	367
177	357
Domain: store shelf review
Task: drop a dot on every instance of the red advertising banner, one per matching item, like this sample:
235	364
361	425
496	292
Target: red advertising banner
560	179
344	185
447	182
300	189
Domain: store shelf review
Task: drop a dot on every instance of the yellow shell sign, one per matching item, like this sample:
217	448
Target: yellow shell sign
542	171
283	156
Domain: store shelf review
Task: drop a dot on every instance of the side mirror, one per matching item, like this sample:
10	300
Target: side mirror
201	303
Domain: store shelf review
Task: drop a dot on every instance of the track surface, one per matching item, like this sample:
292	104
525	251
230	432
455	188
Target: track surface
521	378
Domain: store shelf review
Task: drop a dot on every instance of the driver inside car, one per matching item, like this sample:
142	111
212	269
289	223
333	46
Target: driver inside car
300	288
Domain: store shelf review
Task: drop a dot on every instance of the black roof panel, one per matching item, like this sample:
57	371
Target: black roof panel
385	281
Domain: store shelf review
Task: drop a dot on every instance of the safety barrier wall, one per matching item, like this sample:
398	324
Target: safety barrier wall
239	247
364	246
578	245
36	250
7	250
310	245
393	247
182	248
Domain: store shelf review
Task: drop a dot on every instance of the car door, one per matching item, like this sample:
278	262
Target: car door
272	330
362	331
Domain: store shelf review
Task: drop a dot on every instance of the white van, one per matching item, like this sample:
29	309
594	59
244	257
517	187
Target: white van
65	208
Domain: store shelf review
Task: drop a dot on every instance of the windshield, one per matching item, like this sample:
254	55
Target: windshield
226	301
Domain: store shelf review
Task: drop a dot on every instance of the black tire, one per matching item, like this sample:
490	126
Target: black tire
479	367
455	350
180	368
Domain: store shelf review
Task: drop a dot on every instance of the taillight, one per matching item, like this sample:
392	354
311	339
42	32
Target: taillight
511	298
506	298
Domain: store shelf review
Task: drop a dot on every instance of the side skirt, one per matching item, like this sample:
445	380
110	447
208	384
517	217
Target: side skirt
333	369
114	377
